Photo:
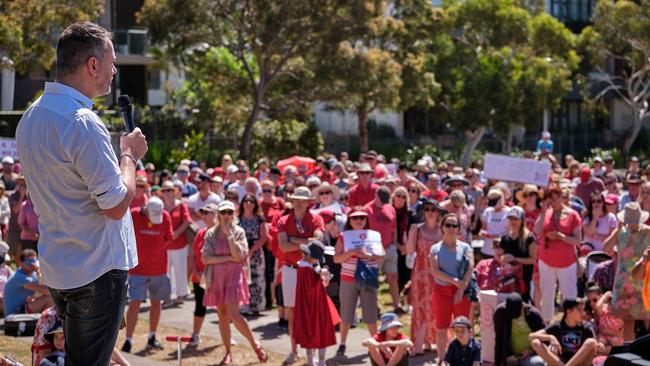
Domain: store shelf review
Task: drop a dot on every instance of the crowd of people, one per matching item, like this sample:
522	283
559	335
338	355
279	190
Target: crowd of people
251	240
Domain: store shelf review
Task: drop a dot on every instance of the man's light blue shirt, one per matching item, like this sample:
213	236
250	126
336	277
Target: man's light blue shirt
72	174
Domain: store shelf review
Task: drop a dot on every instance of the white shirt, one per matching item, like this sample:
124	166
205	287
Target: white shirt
72	175
194	202
497	224
604	226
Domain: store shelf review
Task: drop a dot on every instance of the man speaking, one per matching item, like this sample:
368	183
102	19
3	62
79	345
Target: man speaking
82	192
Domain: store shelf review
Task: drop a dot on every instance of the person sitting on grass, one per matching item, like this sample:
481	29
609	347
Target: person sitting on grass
55	337
464	350
389	347
570	341
514	320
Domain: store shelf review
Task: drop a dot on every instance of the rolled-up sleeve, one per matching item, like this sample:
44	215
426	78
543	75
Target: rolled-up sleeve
88	146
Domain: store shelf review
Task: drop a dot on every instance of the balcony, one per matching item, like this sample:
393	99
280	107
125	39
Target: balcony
575	14
131	41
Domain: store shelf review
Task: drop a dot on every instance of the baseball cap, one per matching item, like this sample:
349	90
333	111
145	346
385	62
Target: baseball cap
204	177
389	320
226	205
611	199
209	207
517	212
232	169
461	321
155	210
7	160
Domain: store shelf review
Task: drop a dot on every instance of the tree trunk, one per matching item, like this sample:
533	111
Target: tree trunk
362	115
508	142
637	123
247	138
473	139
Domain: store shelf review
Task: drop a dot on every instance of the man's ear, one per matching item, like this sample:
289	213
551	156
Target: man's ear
91	65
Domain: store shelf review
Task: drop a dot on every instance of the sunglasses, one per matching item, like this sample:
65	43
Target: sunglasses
609	182
203	212
452	226
249	201
530	194
166	190
597	202
325	193
429	209
413	191
267	190
400	196
357	218
227	212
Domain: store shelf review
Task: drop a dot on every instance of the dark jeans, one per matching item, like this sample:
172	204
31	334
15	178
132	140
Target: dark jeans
199	308
91	316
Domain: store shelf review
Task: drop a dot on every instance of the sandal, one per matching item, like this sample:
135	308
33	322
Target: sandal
227	359
261	354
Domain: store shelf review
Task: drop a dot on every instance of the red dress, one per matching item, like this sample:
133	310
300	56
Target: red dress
422	280
315	314
229	283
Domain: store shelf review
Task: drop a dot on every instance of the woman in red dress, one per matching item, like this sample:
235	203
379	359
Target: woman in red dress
420	239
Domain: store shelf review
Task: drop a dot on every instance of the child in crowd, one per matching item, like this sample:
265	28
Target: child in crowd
464	350
610	327
55	337
389	347
315	313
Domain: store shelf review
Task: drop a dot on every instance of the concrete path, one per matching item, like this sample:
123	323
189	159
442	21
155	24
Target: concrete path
272	338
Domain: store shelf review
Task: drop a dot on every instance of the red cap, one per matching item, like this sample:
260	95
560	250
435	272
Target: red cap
585	174
328	216
141	173
358	212
611	199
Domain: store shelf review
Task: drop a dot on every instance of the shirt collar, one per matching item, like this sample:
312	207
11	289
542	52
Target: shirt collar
58	88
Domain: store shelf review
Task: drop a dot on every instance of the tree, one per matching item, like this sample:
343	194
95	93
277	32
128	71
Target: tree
266	37
30	28
620	38
383	62
507	64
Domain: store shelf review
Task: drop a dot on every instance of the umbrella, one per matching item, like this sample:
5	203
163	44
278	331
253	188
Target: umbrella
304	164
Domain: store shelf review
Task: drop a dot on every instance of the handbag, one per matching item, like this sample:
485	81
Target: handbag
367	277
472	287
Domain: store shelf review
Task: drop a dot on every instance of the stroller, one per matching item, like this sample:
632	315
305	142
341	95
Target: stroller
587	265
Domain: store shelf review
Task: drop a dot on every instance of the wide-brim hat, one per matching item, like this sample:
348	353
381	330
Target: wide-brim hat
457	179
527	189
632	214
325	186
365	167
301	193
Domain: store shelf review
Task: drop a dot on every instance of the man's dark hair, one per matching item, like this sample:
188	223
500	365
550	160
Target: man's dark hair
79	42
27	253
571	303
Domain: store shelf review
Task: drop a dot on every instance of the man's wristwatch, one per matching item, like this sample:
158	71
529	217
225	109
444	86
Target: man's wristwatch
133	159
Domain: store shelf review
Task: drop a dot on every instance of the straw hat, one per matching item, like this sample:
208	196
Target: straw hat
528	188
632	214
301	193
325	186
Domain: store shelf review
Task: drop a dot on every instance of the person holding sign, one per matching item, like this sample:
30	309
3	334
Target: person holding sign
359	251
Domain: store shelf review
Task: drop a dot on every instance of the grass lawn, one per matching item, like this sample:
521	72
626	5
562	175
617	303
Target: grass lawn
17	348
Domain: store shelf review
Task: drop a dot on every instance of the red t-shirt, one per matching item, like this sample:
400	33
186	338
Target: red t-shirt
287	224
439	196
271	209
151	240
384	220
326	176
381	337
557	253
139	202
358	196
531	217
197	246
179	215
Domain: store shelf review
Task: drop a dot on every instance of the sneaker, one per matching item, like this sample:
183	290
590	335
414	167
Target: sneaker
194	340
293	357
126	347
233	342
341	350
154	343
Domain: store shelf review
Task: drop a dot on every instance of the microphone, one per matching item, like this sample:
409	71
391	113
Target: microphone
126	109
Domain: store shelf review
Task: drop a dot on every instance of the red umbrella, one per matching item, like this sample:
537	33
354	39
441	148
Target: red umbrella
304	164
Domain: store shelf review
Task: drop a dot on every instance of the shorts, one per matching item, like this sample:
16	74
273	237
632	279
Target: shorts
349	292
289	282
159	287
444	308
279	299
389	265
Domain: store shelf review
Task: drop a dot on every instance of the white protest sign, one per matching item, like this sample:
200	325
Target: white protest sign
8	148
520	170
369	240
488	300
